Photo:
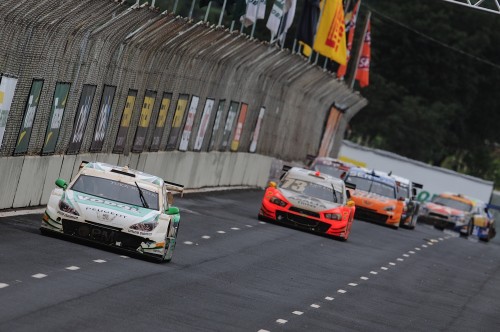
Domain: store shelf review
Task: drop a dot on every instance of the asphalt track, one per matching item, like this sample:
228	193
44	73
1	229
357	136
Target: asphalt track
231	272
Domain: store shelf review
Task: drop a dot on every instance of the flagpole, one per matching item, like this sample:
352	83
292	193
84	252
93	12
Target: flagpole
192	9
208	10
222	13
354	69
256	18
175	6
317	25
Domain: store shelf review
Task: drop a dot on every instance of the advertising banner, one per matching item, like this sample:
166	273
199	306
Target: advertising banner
256	132
180	109
108	94
56	114
239	127
7	88
81	118
188	127
160	122
121	137
144	120
228	128
215	128
205	118
29	116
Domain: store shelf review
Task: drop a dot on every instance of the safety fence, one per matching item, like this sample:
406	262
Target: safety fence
97	76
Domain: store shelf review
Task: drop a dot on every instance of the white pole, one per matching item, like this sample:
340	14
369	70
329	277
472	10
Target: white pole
222	12
208	10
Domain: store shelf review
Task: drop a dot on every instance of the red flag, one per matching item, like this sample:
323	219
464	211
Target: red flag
350	27
363	70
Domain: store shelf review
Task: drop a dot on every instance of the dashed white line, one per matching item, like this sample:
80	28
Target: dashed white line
2	285
400	259
298	313
430	243
221	232
329	298
411	252
188	242
262	222
281	321
262	330
424	246
373	272
406	255
249	226
39	275
417	248
384	268
123	256
352	284
99	261
391	263
235	228
72	268
364	278
434	240
440	239
206	237
341	291
315	306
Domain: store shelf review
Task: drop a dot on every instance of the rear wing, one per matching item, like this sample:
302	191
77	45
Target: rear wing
171	186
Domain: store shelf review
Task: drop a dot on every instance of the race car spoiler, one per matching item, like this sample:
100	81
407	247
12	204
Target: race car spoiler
174	187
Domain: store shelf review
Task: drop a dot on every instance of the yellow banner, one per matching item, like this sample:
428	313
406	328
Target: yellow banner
127	112
179	113
147	108
162	116
330	40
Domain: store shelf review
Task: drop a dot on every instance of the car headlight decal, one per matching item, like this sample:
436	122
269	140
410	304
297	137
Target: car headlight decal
145	226
333	216
277	201
66	208
389	208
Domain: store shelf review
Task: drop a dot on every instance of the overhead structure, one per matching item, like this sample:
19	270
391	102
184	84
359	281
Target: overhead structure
491	6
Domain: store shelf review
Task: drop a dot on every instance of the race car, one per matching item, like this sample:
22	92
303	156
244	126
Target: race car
449	210
376	197
309	200
330	166
118	207
408	190
484	223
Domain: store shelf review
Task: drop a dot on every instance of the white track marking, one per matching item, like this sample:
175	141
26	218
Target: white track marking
206	237
249	226
329	298
440	239
2	285
221	232
353	284
99	261
411	252
430	243
341	291
391	263
39	275
72	268
262	330
417	248
235	228
424	246
406	255
298	313
281	321
315	306
434	240
262	222
384	268
373	272
364	278
400	259
123	256
188	243
21	212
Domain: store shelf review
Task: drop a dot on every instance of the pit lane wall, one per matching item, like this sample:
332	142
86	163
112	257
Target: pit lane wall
96	77
435	179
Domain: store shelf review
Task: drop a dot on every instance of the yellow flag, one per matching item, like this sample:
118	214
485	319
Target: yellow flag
330	39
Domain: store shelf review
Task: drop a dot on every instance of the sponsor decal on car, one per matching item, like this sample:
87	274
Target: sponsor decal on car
106	202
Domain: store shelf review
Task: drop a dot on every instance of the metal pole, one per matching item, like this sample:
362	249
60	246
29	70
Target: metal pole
232	26
354	68
175	6
192	9
153	4
294	44
222	13
208	10
256	18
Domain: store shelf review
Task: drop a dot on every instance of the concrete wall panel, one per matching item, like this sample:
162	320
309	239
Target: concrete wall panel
10	171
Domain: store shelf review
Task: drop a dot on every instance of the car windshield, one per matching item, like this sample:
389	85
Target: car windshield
372	186
330	170
453	203
403	192
115	191
312	189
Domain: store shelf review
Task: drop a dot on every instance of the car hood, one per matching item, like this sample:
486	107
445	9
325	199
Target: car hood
307	202
444	210
372	197
108	212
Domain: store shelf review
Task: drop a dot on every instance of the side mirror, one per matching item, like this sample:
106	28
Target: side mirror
173	210
414	191
350	203
61	183
272	184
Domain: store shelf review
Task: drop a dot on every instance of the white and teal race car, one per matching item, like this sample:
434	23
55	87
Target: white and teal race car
118	207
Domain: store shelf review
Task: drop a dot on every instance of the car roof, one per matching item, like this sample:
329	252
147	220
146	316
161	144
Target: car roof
127	174
315	177
373	175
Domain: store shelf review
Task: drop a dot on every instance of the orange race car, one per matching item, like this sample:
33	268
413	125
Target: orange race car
309	200
376	197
